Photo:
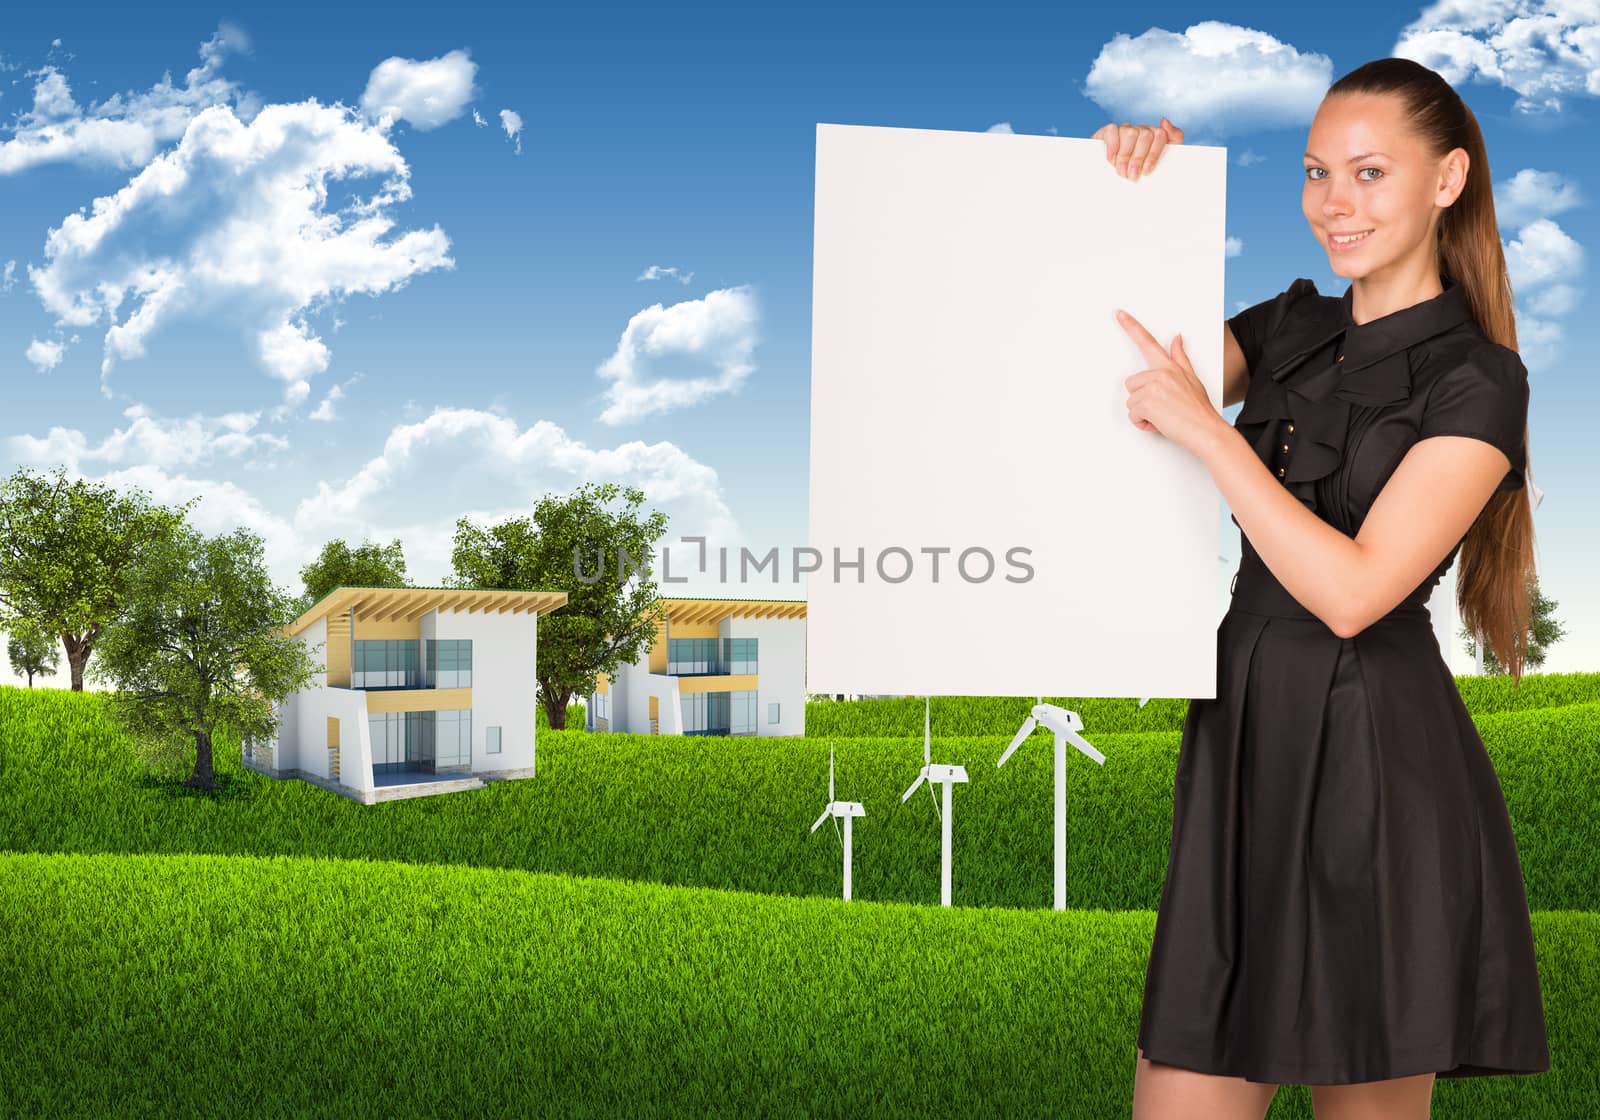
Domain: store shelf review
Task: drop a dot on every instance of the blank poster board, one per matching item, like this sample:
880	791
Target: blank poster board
967	395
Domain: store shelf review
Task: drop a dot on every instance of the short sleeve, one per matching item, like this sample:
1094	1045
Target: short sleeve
1254	325
1485	397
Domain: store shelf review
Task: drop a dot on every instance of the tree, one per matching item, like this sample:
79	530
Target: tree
1543	631
201	648
604	623
32	653
65	549
340	566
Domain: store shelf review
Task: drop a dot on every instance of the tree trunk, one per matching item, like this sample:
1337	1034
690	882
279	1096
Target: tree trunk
203	777
77	657
555	710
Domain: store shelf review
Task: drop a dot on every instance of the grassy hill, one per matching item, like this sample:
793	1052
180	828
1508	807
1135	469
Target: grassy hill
649	928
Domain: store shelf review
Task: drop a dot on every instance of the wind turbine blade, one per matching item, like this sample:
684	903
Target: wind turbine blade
820	820
936	810
830	772
837	833
927	740
906	796
1085	746
1027	729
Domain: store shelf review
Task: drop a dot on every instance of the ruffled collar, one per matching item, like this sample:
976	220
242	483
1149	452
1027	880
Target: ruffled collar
1315	396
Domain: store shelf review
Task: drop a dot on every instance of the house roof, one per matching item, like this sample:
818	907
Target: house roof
392	604
715	610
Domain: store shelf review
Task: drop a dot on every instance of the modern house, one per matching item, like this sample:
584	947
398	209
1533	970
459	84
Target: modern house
424	690
715	667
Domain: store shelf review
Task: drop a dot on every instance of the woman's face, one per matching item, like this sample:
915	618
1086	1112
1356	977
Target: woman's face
1365	170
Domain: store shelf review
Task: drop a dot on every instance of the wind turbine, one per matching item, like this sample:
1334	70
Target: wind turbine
949	775
1066	726
845	809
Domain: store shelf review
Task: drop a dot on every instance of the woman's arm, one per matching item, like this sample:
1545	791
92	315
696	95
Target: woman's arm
1235	375
1426	507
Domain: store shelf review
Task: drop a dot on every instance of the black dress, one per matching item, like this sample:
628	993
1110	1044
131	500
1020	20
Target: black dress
1344	900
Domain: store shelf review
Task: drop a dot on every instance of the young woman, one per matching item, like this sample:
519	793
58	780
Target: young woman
1344	905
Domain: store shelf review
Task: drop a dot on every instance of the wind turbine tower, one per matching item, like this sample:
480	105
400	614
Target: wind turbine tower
1066	726
931	774
846	809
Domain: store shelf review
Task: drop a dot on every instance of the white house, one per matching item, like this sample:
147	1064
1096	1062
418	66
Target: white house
715	667
424	690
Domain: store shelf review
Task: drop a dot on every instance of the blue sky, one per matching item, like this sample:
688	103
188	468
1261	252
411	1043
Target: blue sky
356	273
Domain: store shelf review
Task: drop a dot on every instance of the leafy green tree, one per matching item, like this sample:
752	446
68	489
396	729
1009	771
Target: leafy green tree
65	549
604	623
201	649
32	653
339	565
1543	631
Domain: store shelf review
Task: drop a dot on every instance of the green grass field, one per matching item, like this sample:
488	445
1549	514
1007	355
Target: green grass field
649	928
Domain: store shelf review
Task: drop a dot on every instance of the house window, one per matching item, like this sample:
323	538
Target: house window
599	706
742	713
450	663
705	713
739	655
453	737
385	663
491	740
688	657
772	713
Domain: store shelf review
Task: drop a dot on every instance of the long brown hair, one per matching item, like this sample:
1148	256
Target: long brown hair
1495	571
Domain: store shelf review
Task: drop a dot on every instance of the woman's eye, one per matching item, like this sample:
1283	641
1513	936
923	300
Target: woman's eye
1311	173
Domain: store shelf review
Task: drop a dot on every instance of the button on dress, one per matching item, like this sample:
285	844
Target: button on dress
1344	900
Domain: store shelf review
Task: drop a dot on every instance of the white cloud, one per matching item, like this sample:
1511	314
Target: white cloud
1531	194
1217	78
1554	301
719	329
1543	260
124	131
426	94
1247	158
452	463
1538	341
1233	247
511	121
469	462
45	355
1003	126
325	410
233	226
477	119
657	272
1544	50
149	440
8	279
1542	253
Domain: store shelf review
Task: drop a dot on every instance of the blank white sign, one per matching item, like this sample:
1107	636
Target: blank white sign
967	395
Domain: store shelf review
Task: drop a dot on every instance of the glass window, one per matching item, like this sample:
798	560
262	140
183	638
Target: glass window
450	662
739	655
454	737
742	713
385	663
491	740
692	656
694	713
772	713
